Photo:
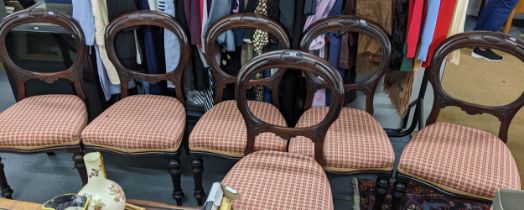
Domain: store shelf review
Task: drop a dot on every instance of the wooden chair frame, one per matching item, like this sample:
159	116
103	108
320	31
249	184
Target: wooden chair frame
221	78
505	113
22	75
289	59
344	24
150	18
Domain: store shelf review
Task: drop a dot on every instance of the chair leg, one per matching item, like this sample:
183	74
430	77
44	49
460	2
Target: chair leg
175	172
7	192
198	167
399	195
381	189
80	166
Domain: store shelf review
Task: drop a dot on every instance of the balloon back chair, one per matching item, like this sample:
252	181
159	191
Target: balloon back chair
456	160
221	130
143	124
355	143
43	123
282	180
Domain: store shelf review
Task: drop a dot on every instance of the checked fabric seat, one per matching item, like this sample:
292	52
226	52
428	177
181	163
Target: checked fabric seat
283	180
49	122
461	160
355	141
222	130
139	123
44	121
279	180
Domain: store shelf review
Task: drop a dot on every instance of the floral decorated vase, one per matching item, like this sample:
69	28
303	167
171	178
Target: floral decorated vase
104	194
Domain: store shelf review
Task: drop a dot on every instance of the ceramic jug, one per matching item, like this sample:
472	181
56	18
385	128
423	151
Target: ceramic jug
104	194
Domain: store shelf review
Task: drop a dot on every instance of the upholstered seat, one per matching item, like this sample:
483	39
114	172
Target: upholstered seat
279	180
40	122
461	160
354	142
140	123
222	130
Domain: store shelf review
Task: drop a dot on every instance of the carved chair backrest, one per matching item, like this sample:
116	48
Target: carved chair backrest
493	40
237	21
343	24
147	18
289	59
21	75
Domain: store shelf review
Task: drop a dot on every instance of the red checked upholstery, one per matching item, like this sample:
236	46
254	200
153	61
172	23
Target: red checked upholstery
140	123
44	121
279	180
354	142
460	160
222	130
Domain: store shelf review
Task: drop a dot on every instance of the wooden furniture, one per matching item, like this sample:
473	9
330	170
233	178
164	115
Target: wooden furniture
148	205
221	130
143	124
519	9
356	143
43	123
283	180
457	160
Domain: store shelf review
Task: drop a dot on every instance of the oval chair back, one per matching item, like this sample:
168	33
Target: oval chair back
22	75
343	24
289	59
236	21
147	18
493	40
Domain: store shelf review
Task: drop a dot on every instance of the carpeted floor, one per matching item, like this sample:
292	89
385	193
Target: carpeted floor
488	83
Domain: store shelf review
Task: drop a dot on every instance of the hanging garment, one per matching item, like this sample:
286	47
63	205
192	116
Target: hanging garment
442	28
334	38
203	23
83	15
322	11
260	40
125	40
192	7
348	50
457	26
379	11
398	33
429	29
334	45
287	14
99	8
171	42
153	48
416	8
310	7
219	9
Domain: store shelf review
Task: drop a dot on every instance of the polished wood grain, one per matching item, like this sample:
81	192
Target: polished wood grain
238	21
147	18
343	24
289	59
493	40
505	113
159	19
22	75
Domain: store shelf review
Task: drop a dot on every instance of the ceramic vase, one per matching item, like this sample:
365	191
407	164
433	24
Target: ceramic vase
103	193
